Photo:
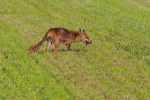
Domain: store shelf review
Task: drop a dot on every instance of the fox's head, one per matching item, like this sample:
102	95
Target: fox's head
84	37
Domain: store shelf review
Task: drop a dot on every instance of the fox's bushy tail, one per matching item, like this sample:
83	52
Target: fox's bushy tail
37	46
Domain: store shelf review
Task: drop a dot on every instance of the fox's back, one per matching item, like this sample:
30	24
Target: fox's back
62	33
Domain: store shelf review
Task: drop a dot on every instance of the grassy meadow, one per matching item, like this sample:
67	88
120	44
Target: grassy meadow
115	66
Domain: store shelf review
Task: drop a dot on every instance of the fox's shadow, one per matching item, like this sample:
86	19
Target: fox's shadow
64	50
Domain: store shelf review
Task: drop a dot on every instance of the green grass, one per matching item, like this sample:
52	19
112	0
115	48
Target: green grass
115	66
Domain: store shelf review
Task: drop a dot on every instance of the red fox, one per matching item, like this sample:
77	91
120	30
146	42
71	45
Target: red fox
61	36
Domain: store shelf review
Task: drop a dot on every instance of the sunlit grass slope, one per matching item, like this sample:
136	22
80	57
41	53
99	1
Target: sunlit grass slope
115	66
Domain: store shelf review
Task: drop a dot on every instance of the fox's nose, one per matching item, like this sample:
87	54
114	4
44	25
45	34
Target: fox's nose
90	41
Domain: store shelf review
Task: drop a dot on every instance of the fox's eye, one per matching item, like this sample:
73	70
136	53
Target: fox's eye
86	37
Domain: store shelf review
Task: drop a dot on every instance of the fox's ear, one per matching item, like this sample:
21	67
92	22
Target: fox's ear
83	30
80	31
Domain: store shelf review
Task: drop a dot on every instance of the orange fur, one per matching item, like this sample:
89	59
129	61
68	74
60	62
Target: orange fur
61	36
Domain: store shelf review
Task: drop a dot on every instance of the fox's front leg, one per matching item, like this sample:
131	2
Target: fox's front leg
56	46
68	47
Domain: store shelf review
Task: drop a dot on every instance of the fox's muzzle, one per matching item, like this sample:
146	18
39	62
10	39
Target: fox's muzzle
88	42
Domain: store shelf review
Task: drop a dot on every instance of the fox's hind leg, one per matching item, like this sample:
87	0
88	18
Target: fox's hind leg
49	43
